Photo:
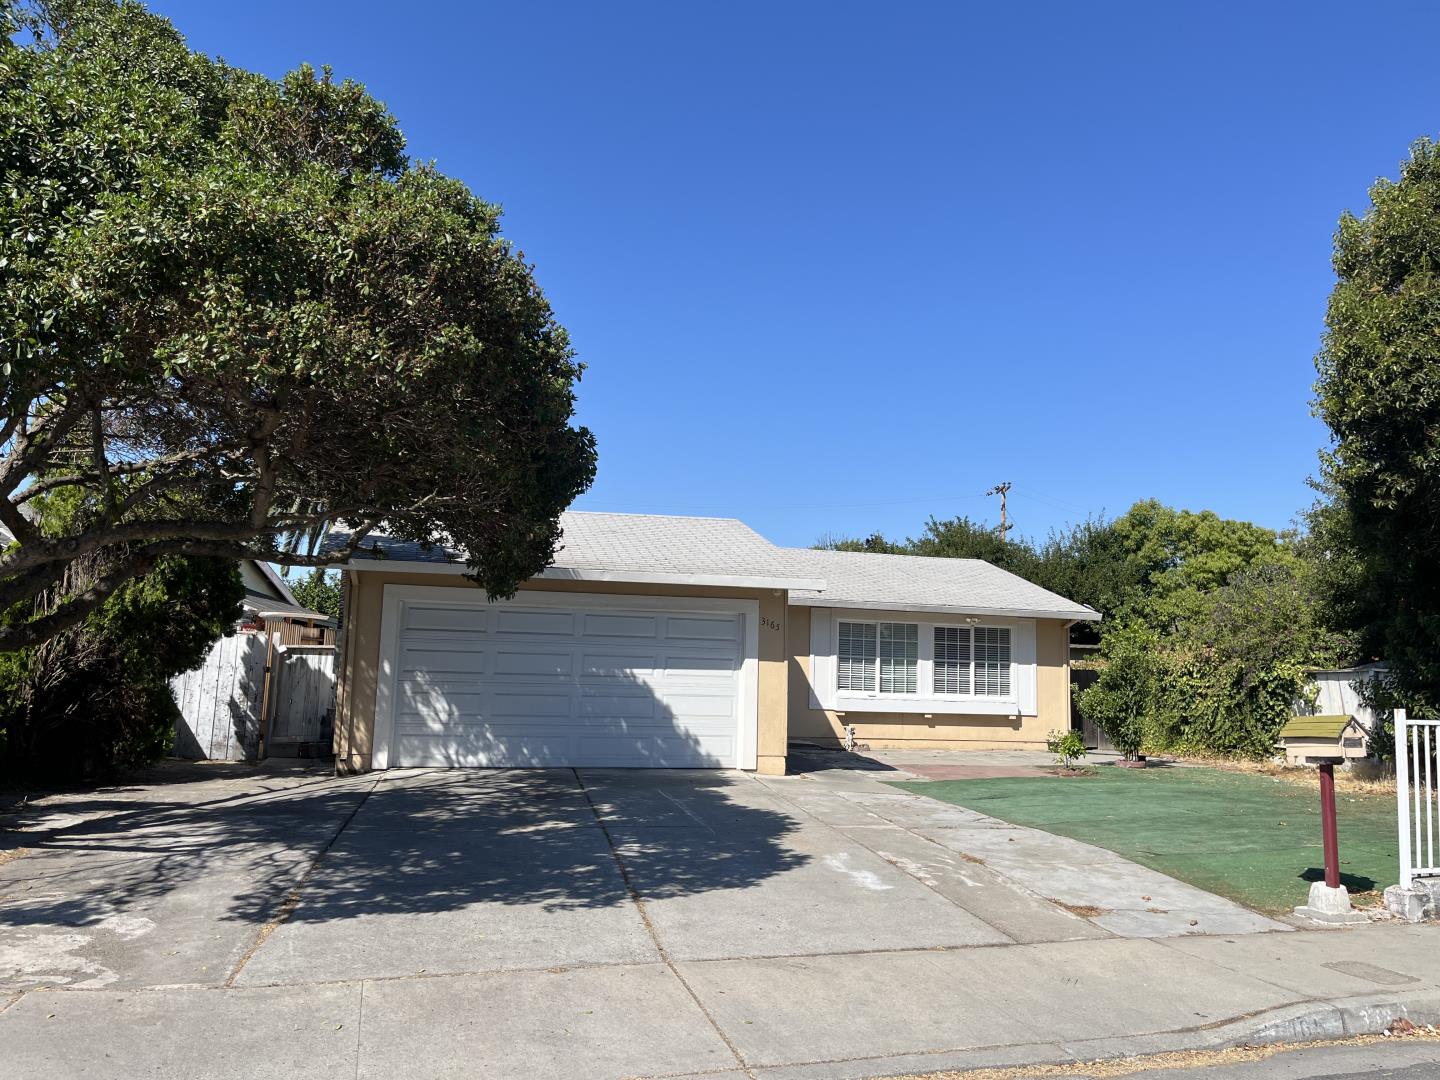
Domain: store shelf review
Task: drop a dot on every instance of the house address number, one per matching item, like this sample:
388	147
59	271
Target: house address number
769	624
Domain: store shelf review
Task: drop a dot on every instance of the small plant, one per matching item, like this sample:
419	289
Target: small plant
1067	746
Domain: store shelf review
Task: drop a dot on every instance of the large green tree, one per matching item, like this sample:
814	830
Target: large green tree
1379	392
234	313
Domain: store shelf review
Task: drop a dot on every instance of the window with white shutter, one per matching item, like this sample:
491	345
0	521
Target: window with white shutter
952	660
855	656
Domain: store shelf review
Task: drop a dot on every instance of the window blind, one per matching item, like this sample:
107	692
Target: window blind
952	660
855	656
899	657
992	661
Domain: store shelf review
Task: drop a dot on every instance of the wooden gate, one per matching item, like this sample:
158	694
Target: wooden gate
302	693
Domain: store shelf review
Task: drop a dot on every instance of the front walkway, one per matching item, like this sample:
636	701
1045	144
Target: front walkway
610	923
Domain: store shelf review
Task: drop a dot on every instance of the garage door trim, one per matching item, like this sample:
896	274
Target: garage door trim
394	598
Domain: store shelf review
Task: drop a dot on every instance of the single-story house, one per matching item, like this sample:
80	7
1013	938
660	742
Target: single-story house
691	642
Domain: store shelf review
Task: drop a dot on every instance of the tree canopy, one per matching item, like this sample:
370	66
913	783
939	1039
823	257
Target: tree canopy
235	313
1378	526
319	591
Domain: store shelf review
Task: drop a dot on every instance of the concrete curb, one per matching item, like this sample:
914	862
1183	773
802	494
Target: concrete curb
1305	1022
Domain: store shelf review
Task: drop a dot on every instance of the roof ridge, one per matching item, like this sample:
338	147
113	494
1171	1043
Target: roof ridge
670	517
900	555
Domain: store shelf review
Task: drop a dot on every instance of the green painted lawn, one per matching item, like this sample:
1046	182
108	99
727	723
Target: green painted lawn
1251	838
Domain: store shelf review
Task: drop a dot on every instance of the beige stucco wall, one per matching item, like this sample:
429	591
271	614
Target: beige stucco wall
940	731
360	656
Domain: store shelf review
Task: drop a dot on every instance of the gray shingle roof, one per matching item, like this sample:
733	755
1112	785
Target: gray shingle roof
915	582
635	545
632	546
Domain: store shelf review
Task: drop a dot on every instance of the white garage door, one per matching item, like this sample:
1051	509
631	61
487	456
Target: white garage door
546	680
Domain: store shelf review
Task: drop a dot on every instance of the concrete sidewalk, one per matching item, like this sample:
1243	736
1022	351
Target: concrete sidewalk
545	923
858	1015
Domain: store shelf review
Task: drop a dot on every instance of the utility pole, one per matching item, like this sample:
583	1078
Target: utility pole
1002	490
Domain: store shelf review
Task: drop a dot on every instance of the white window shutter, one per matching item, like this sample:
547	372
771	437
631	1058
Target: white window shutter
822	659
1022	642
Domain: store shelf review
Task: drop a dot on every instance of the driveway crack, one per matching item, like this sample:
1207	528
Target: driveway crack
292	896
359	1026
664	953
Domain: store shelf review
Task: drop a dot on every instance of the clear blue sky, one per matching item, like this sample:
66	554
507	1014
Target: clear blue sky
836	267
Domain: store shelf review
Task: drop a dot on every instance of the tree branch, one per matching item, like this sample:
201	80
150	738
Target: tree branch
73	609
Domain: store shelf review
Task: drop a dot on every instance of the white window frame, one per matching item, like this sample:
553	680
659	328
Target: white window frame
826	694
876	675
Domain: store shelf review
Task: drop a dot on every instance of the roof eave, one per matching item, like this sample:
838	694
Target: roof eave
1083	615
276	581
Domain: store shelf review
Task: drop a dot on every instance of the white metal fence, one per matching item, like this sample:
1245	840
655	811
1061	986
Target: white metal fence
1416	743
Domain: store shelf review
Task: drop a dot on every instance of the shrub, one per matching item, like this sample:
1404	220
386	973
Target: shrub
1122	698
95	700
1067	746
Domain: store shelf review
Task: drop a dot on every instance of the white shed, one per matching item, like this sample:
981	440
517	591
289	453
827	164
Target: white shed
1337	693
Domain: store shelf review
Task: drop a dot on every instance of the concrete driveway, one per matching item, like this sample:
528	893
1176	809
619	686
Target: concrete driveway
553	922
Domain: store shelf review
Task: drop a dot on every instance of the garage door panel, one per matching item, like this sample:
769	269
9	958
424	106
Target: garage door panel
521	703
480	747
699	705
595	625
437	663
429	701
421	617
711	669
558	623
623	706
658	752
702	628
628	665
514	686
540	662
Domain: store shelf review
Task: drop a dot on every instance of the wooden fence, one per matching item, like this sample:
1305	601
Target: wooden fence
220	701
225	706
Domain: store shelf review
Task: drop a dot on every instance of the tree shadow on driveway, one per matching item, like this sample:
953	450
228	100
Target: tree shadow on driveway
411	843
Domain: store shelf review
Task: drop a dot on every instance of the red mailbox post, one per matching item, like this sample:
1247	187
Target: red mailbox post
1327	824
1329	901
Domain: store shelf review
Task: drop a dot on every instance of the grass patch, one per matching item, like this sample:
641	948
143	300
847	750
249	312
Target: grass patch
1246	836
